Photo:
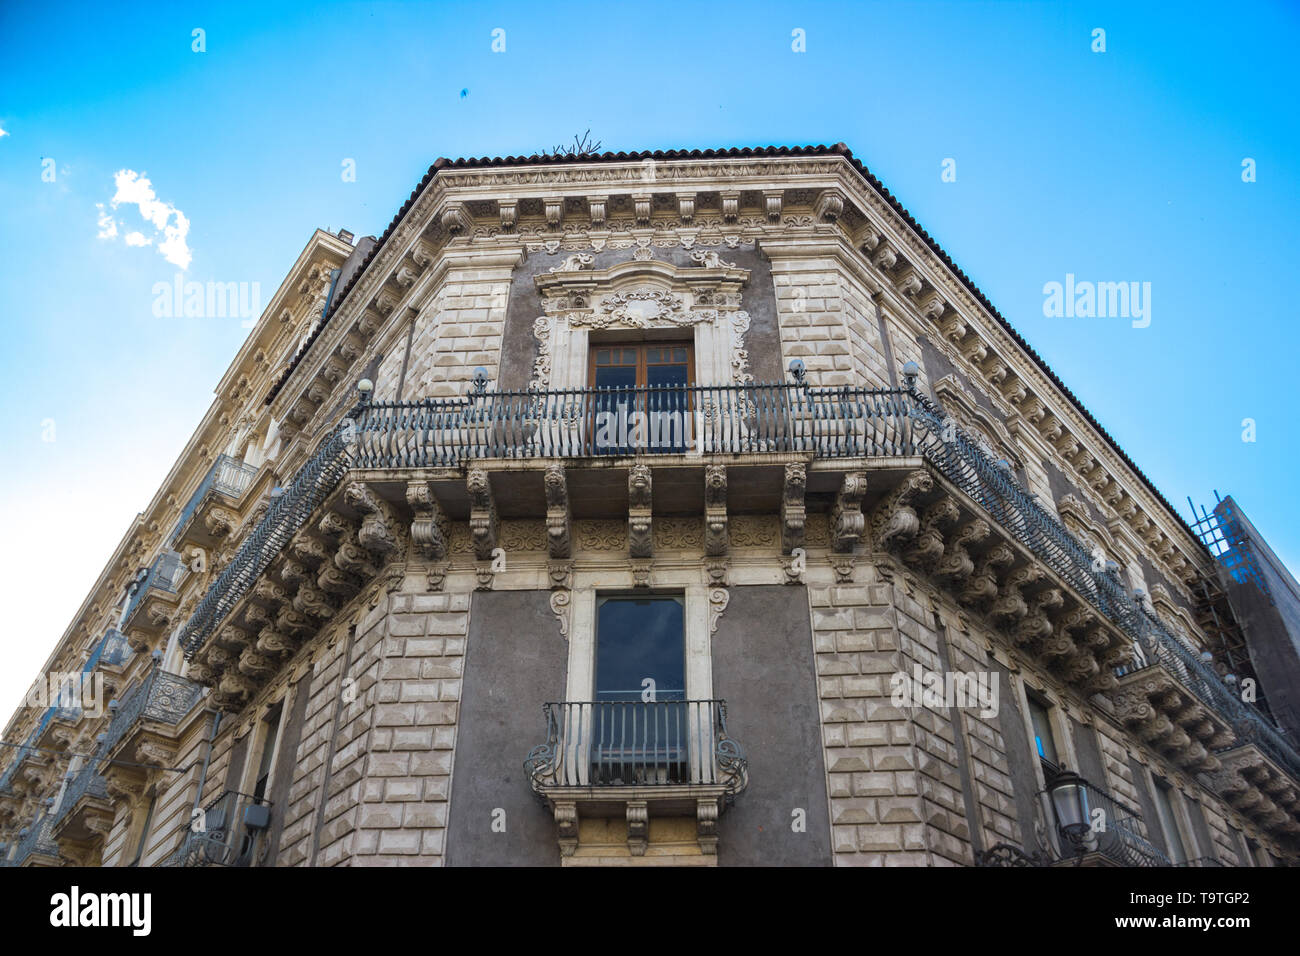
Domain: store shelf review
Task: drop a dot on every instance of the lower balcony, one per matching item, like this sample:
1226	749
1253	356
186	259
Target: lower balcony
84	816
636	761
36	846
232	831
145	727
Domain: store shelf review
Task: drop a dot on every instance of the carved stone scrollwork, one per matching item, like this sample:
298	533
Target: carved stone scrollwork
719	598
706	825
956	565
639	536
566	826
794	512
894	521
638	826
436	575
561	606
380	529
559	517
311	600
430	528
716	539
483	523
1010	605
220	522
927	548
982	586
847	521
1035	626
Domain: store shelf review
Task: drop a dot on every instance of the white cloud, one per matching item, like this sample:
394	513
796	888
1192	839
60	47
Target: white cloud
135	189
107	224
3	132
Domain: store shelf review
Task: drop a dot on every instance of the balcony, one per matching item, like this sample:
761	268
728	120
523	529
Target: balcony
85	811
232	831
144	728
637	759
205	517
153	602
35	846
1031	576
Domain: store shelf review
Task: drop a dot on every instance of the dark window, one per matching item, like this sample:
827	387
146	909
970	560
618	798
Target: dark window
1044	740
263	782
639	640
1169	821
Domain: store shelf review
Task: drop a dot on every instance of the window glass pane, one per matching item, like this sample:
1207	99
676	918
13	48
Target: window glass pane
639	639
1044	742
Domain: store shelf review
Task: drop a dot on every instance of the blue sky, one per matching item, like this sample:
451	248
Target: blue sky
1115	166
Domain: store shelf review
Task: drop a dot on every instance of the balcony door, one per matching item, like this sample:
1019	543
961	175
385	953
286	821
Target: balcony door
639	722
643	402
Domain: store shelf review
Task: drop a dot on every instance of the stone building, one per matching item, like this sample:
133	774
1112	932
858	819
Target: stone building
687	508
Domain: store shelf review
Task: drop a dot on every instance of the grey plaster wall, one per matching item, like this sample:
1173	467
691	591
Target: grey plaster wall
758	298
514	663
763	668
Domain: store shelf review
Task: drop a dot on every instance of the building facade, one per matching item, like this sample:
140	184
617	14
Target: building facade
643	509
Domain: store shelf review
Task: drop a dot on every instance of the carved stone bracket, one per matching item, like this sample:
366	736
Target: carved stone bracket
846	518
430	527
715	510
794	510
639	536
482	513
559	517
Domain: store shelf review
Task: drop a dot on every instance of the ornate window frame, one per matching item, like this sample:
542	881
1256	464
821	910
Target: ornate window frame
638	296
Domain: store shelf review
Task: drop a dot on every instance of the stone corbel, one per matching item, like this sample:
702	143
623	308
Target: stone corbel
641	203
894	521
847	522
597	205
730	205
829	205
794	510
380	530
956	565
455	218
715	510
559	515
483	524
638	826
639	536
686	206
429	526
566	825
773	204
508	211
927	548
706	825
422	253
982	586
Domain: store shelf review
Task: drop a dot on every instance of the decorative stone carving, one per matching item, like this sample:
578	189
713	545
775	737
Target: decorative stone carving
715	510
846	519
982	587
894	521
928	546
429	526
719	598
380	529
559	518
640	544
482	514
794	511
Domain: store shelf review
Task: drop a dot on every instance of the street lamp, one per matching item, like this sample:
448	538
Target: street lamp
1069	795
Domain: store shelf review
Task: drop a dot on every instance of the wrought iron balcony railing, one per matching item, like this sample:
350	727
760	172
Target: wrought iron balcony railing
1118	833
230	832
737	419
162	575
34	841
87	783
228	476
637	744
162	696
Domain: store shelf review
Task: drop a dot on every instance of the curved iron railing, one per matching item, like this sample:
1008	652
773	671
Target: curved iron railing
221	835
618	743
87	782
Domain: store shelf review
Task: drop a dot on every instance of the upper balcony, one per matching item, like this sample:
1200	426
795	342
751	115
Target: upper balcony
35	846
85	811
637	759
153	602
207	516
890	470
